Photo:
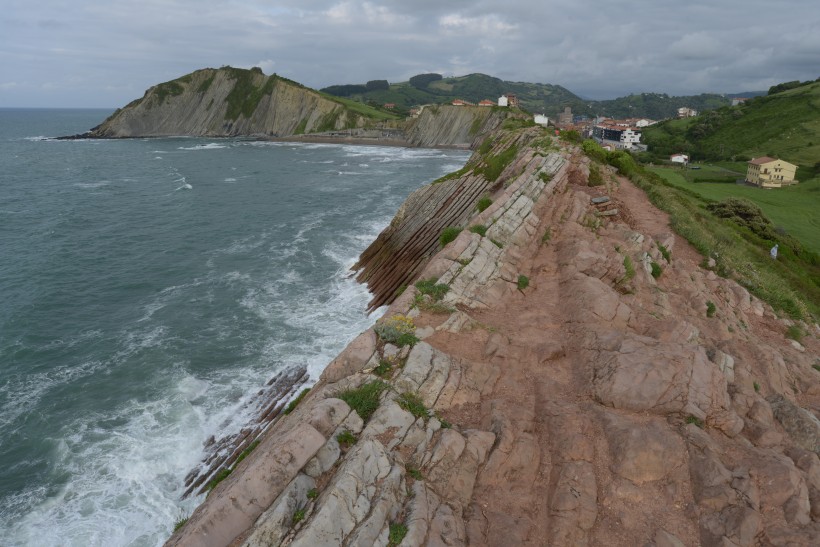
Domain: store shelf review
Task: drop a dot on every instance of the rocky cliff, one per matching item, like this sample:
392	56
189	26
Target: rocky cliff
565	373
229	102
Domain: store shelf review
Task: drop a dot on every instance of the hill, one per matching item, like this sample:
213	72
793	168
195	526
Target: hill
231	101
535	97
783	124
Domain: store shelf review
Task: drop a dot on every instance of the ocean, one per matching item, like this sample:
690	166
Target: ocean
148	288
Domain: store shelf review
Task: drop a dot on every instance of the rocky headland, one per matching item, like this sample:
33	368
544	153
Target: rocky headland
564	372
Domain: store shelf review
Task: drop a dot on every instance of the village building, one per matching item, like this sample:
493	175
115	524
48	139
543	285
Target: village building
486	102
541	119
565	117
389	106
767	172
462	102
686	112
739	100
508	99
621	134
679	158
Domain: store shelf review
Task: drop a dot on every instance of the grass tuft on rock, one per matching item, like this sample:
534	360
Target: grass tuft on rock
448	235
365	399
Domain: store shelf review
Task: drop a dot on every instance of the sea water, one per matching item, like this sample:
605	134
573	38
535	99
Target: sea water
148	287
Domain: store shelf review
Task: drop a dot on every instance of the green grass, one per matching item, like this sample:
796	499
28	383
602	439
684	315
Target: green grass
710	309
794	332
430	288
665	253
294	403
414	472
493	165
298	516
547	235
756	386
448	235
523	282
384	368
180	523
361	108
694	420
412	403
793	208
483	203
346	438
656	269
629	267
365	399
396	535
244	453
219	477
479	229
312	494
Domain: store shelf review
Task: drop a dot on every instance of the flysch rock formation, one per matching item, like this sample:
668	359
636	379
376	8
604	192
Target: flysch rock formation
555	396
231	102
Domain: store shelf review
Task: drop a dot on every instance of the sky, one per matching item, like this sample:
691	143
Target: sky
104	54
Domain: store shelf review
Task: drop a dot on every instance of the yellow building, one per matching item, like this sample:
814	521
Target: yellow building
770	173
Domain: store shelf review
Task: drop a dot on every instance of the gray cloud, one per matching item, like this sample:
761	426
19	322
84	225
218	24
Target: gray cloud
83	53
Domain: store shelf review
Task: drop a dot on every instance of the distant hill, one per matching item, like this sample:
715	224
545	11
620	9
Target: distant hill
231	102
783	124
541	98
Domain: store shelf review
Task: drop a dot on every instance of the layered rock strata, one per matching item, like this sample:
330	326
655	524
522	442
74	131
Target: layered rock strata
559	394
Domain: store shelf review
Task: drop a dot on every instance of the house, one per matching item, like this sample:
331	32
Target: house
541	119
414	112
508	99
643	122
502	101
620	134
739	100
769	172
462	102
486	102
565	117
389	106
679	158
686	112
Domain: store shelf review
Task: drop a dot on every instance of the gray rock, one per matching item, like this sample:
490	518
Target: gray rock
800	424
275	523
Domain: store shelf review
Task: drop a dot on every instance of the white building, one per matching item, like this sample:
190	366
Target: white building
541	119
502	101
679	158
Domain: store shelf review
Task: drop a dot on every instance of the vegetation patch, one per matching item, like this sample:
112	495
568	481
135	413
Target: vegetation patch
168	89
665	253
312	494
547	235
493	166
346	438
180	523
710	309
384	369
656	269
694	420
497	243
206	83
415	473
398	330
365	399
629	268
220	476
595	178
448	235
245	95
431	288
298	516
795	332
479	229
756	386
412	403
523	282
294	403
396	535
244	453
483	203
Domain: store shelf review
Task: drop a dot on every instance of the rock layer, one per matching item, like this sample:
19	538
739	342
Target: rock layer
589	405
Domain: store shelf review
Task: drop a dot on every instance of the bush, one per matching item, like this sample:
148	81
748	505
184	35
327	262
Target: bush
298	516
665	253
365	399
710	309
630	269
479	229
656	269
595	178
523	282
448	235
794	332
483	203
398	329
397	533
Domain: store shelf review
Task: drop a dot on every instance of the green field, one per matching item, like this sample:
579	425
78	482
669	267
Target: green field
796	208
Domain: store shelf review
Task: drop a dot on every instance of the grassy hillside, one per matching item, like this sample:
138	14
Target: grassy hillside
784	125
795	209
546	98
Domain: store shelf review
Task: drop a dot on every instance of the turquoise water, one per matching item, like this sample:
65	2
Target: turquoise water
147	289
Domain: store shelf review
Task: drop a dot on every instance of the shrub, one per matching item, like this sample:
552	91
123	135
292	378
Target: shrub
665	253
448	234
414	472
365	399
398	329
710	309
794	332
483	203
298	516
384	368
412	403
479	229
346	438
547	235
312	494
630	269
694	420
397	533
595	178
294	403
523	282
432	289
756	386
656	269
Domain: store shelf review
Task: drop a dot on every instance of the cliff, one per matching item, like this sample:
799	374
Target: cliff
229	102
564	373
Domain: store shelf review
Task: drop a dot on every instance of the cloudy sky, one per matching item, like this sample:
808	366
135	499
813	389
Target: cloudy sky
105	53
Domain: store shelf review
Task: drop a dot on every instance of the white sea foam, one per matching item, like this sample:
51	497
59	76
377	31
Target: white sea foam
209	146
230	179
